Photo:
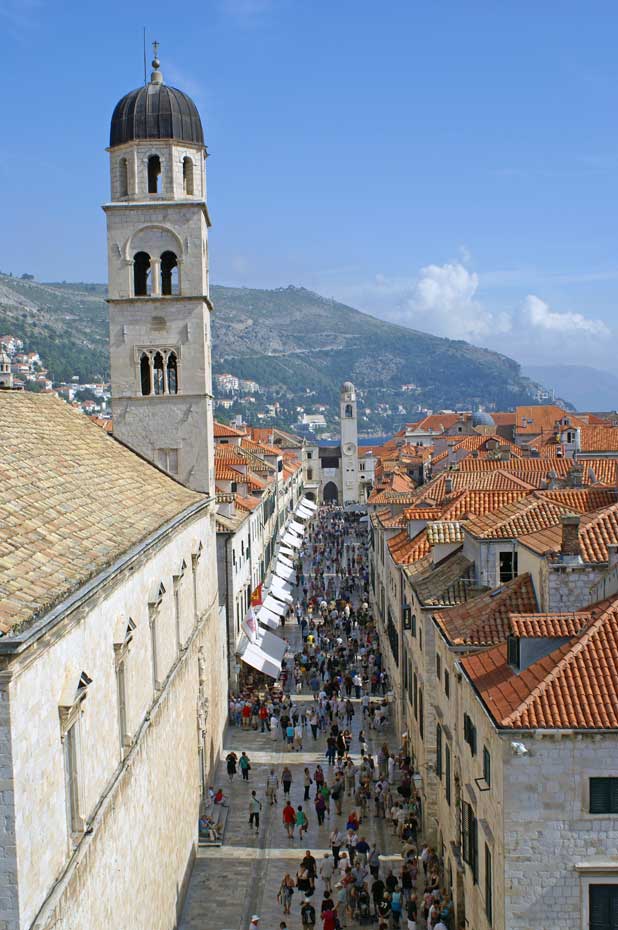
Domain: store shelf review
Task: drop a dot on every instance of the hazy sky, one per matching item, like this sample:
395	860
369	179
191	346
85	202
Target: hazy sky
449	165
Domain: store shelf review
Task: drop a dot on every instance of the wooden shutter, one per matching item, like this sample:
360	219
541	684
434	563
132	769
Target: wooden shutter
603	903
600	795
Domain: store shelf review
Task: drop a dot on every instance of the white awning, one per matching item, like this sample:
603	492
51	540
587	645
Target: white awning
281	594
257	658
290	540
275	606
296	527
311	505
286	574
288	552
269	617
273	645
284	561
304	513
280	588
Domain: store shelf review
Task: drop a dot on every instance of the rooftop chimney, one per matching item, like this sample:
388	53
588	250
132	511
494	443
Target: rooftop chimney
448	485
570	534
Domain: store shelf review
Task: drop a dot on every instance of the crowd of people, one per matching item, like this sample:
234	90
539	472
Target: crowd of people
334	699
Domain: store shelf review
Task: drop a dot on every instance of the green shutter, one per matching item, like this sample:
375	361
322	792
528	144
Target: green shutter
603	900
600	795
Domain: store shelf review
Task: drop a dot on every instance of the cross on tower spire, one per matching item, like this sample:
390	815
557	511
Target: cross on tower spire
156	77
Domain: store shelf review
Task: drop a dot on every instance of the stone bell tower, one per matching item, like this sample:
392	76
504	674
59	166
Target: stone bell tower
159	308
349	444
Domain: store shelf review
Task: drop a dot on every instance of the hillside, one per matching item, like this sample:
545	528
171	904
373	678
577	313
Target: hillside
587	388
288	339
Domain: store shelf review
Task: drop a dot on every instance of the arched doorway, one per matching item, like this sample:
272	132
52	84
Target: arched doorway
310	496
330	493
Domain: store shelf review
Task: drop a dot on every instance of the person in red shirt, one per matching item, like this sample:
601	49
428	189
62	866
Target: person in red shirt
329	919
289	819
263	715
246	715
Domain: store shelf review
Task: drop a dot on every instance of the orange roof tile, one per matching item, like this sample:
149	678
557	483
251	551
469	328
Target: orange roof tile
596	532
223	431
544	626
404	550
517	519
574	687
224	472
484	621
231	455
540	418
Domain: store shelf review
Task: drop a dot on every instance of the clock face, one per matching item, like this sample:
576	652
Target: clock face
349	448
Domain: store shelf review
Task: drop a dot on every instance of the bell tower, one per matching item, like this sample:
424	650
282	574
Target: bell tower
159	307
349	444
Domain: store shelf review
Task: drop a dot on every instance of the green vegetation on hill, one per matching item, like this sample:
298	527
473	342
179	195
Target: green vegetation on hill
290	340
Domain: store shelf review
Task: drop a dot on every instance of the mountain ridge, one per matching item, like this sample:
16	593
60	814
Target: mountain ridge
289	339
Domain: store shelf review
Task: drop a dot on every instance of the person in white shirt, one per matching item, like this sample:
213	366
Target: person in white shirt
327	867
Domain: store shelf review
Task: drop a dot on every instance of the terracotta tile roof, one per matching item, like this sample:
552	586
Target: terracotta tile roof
596	532
444	531
105	424
438	422
223	431
599	439
448	583
548	626
231	455
394	521
484	621
423	513
261	433
253	482
494	479
574	687
470	503
404	550
518	519
583	500
225	472
247	503
260	448
539	418
72	501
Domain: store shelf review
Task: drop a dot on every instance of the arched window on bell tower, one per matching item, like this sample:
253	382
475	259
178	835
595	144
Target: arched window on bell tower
172	374
144	371
169	274
154	174
141	275
157	373
187	175
348	410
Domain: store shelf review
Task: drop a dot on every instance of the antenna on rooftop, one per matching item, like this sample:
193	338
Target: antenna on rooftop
145	56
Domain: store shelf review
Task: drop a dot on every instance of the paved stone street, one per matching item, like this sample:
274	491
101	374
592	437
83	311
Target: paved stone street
231	883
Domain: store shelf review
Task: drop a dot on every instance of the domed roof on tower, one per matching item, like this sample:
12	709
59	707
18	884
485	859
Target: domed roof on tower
346	387
482	418
156	111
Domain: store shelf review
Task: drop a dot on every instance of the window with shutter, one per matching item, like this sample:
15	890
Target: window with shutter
604	795
439	750
486	765
489	902
603	907
421	716
447	773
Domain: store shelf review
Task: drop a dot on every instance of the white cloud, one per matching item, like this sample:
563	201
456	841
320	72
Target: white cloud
540	316
444	301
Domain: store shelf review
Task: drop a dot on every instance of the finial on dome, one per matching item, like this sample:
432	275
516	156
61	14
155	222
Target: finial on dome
156	77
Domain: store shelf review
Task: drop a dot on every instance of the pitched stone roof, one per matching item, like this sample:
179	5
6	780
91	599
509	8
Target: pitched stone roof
574	687
448	583
484	621
72	501
596	532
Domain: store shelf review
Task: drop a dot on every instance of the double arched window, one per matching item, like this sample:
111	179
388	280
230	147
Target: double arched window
158	370
154	174
123	178
156	276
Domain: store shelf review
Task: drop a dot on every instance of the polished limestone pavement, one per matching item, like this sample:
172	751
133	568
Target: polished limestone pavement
241	878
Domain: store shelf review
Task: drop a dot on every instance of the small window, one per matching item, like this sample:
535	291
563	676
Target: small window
71	772
145	370
141	274
439	750
447	773
438	667
512	651
489	888
123	178
508	566
157	373
348	410
187	175
421	715
603	907
169	274
415	703
486	766
310	474
154	174
172	374
121	690
604	795
413	624
309	455
447	683
167	459
469	731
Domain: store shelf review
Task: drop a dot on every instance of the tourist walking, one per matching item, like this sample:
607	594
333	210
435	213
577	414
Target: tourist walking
244	764
255	806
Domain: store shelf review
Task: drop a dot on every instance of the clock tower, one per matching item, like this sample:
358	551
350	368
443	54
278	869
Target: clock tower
349	444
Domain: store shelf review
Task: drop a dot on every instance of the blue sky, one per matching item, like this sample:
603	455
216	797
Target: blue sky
452	166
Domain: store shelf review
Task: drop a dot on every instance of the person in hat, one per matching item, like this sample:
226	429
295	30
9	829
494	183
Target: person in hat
255	922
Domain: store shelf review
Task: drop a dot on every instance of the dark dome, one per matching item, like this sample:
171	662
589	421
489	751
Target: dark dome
156	111
482	418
